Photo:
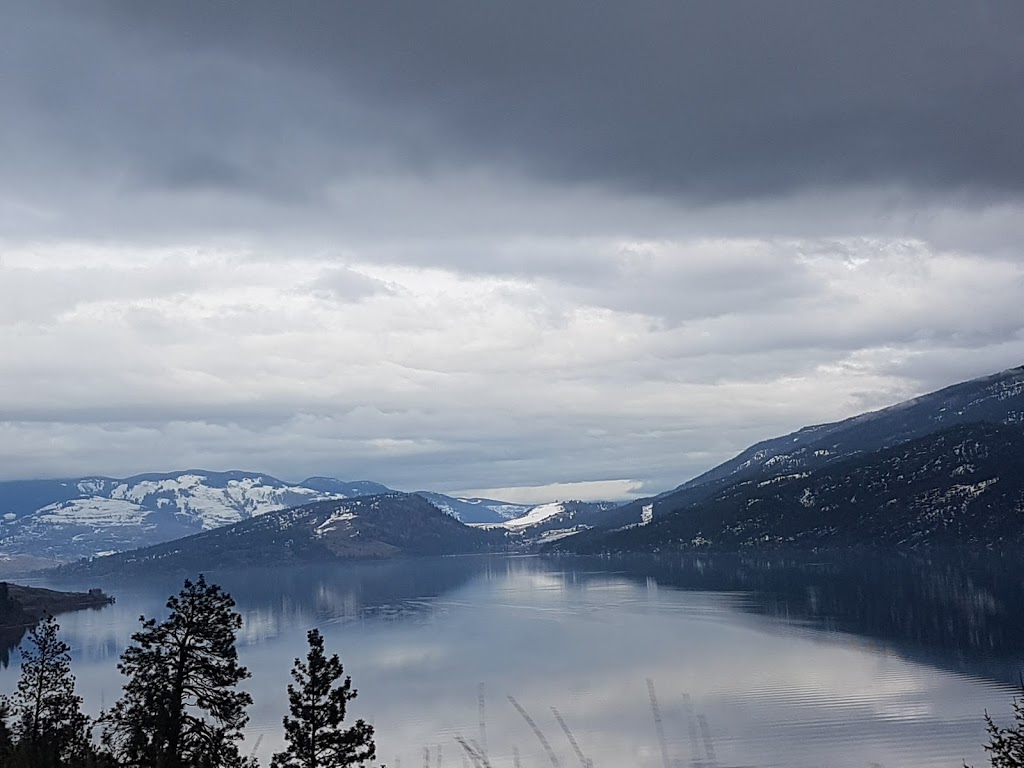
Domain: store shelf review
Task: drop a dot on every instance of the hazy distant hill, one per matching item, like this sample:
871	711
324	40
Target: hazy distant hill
997	399
383	526
475	510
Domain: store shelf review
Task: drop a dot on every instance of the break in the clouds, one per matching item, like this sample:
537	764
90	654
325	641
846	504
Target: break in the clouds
584	249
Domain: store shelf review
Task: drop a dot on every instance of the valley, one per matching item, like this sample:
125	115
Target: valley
943	470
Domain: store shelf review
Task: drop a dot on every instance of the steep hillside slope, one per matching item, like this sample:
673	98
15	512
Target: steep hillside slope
961	486
997	399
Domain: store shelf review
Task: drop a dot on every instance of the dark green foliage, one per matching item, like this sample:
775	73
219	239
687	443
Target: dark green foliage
6	743
180	708
1006	745
48	728
317	705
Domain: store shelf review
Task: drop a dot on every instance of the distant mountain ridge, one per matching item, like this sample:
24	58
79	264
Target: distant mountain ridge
206	497
963	486
71	518
996	400
476	510
85	517
61	519
557	520
368	527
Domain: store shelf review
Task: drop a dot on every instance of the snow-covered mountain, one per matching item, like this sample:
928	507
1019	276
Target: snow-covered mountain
87	516
556	520
528	523
474	510
69	518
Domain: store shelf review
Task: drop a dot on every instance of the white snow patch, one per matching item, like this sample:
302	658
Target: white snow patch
90	487
94	511
780	478
972	491
213	507
330	524
536	515
447	509
509	511
561	533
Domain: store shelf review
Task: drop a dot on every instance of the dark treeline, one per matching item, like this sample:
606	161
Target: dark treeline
181	705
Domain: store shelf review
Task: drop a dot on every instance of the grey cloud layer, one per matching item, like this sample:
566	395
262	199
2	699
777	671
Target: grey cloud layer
650	369
710	101
475	245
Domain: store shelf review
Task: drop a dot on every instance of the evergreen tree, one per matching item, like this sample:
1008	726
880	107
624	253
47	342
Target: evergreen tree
48	729
5	732
313	731
180	708
1006	745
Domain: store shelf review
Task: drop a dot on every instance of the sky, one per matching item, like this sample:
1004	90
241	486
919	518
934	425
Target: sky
527	250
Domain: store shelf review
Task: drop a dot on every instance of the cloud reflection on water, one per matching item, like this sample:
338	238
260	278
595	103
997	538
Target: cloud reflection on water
763	656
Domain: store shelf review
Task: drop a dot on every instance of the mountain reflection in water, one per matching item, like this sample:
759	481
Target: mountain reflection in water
795	662
963	612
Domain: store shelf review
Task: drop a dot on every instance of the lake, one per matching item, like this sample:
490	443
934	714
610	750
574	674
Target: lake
855	661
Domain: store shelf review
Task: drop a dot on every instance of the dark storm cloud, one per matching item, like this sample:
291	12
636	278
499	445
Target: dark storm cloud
709	100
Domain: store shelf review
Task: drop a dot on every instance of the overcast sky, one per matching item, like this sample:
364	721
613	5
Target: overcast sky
495	247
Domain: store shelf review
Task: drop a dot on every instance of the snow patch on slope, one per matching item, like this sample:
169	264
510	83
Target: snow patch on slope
94	511
214	507
331	523
536	515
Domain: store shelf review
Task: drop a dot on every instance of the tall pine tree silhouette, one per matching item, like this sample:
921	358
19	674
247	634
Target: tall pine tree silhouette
313	731
48	727
180	707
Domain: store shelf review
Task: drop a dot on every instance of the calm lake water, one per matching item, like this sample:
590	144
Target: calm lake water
773	662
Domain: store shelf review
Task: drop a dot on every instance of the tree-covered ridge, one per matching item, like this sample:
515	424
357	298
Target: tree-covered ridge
994	399
21	607
960	487
370	527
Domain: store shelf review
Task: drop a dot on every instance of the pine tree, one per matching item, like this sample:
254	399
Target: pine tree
48	729
313	731
6	744
180	708
1006	745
